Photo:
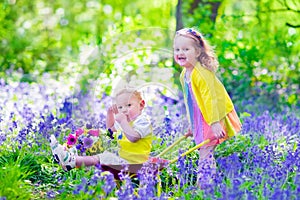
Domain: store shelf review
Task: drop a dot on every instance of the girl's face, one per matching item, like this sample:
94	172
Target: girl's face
185	52
129	105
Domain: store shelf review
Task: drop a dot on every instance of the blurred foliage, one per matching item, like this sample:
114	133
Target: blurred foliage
62	37
257	42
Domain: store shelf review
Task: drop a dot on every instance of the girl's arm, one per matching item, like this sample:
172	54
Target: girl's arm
130	133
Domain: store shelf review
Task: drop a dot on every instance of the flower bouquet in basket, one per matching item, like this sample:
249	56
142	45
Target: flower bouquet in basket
90	141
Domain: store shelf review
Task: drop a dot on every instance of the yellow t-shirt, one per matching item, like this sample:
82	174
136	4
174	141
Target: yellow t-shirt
136	152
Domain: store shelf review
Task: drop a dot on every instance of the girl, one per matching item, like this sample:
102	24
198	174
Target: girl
210	110
134	135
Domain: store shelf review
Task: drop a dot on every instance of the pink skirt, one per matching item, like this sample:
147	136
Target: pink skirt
231	126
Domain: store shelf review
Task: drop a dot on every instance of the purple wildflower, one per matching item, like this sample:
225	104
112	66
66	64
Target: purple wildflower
110	183
110	133
89	126
51	194
2	138
80	187
87	142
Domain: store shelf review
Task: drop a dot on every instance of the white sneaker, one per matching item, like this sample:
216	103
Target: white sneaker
65	158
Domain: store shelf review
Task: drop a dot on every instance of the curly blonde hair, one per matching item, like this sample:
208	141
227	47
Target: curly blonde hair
207	57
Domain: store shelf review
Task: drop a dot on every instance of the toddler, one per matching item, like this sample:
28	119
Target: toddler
132	128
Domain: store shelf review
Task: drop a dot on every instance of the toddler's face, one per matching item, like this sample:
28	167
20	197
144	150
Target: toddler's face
129	105
185	52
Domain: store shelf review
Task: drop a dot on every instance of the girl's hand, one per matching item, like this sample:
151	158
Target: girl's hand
217	129
189	133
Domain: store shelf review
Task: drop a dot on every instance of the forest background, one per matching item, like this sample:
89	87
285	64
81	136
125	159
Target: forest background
257	42
61	60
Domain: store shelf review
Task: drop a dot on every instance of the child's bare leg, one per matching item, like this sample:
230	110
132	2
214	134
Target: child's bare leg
69	160
206	166
86	161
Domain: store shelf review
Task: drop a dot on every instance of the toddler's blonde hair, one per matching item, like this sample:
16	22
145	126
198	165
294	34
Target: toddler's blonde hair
129	90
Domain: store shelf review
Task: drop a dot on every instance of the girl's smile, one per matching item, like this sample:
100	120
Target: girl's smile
185	52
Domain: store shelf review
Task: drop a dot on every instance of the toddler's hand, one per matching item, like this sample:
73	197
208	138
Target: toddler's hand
120	117
113	109
188	133
217	129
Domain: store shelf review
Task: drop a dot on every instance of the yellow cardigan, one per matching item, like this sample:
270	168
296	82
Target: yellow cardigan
210	94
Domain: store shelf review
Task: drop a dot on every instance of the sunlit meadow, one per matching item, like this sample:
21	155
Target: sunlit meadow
262	162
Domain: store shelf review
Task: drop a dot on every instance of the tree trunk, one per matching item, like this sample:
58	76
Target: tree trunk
179	24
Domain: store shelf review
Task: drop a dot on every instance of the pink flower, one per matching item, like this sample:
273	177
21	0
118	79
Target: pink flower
94	132
79	131
71	140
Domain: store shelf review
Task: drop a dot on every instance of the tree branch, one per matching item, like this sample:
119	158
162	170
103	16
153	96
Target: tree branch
291	25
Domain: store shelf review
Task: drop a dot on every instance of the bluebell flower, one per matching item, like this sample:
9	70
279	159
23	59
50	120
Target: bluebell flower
51	194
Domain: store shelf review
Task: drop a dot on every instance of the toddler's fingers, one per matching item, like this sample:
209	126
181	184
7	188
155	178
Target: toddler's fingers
111	108
115	109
